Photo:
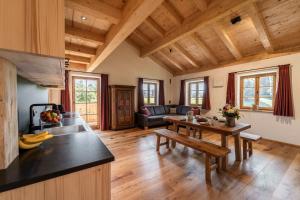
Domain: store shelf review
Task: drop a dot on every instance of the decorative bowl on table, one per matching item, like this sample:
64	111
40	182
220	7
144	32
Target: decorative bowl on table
202	120
50	117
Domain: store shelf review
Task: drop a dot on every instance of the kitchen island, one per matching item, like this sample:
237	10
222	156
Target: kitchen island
68	166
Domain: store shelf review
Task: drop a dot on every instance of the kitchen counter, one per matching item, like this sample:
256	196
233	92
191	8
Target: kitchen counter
58	156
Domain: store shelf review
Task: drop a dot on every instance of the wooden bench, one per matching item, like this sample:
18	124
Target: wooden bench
248	138
210	150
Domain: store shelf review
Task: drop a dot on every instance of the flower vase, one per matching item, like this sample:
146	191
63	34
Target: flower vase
230	121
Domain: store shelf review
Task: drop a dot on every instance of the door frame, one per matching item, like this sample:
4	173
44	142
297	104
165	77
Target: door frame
98	98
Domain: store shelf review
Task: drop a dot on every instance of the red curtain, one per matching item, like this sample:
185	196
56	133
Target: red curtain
104	103
182	93
284	101
140	93
230	96
65	94
206	100
161	93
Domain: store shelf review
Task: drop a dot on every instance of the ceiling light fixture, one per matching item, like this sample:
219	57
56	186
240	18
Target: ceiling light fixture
83	18
236	20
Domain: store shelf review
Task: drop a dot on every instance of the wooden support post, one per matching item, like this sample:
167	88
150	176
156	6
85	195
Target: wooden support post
200	134
219	164
157	142
224	143
9	148
167	143
207	169
237	147
245	149
250	148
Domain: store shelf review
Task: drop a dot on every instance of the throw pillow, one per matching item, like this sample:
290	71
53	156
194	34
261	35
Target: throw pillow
145	111
196	111
172	110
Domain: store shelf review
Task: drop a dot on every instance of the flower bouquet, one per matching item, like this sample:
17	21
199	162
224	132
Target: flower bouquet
230	113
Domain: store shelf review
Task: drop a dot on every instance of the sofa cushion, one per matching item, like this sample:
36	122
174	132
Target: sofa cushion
178	109
172	111
156	118
150	109
185	109
145	111
167	109
159	110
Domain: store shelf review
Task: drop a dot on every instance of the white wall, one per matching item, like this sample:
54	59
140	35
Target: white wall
265	124
125	66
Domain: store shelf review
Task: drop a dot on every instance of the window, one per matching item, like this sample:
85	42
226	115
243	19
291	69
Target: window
195	93
258	91
150	93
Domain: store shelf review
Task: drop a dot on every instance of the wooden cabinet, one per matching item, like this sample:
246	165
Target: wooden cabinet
33	26
122	106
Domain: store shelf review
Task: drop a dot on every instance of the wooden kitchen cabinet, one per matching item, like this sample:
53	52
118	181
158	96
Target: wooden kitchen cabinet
33	26
122	106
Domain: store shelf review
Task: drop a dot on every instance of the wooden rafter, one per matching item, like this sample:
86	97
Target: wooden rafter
78	59
79	50
154	26
174	15
172	61
77	66
185	55
221	32
84	35
96	8
260	26
219	9
134	13
201	4
141	36
205	50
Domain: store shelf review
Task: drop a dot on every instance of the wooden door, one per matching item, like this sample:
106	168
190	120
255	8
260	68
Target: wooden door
124	105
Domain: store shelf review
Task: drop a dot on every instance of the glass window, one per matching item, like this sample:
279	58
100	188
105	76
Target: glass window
195	93
258	91
150	93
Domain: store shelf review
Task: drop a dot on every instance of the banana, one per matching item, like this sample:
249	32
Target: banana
35	135
33	140
23	145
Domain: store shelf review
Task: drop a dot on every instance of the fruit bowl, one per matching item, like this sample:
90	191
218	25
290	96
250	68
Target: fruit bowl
50	116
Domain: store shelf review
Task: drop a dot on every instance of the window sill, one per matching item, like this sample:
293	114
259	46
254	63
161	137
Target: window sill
259	111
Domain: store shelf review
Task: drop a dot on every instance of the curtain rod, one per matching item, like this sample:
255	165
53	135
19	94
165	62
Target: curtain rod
262	68
150	79
82	71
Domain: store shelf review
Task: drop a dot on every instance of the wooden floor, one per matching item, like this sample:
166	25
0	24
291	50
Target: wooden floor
139	172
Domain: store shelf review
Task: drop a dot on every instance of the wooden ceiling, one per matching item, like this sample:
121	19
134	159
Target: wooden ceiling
184	36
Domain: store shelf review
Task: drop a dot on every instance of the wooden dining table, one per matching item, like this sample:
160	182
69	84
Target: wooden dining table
216	127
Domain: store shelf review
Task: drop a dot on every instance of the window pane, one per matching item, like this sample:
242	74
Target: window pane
152	87
249	82
80	97
200	100
152	100
248	101
146	101
91	97
193	101
80	84
266	102
92	108
91	85
193	94
201	85
266	81
200	93
81	108
266	91
249	92
193	86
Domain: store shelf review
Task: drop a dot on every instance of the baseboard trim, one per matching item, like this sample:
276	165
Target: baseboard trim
284	143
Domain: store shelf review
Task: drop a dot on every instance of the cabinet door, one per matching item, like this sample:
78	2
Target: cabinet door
124	107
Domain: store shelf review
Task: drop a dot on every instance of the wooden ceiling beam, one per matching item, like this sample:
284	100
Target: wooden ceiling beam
77	67
78	59
96	8
134	13
185	55
221	32
173	62
205	50
201	4
154	26
173	14
261	27
141	36
88	36
79	50
217	10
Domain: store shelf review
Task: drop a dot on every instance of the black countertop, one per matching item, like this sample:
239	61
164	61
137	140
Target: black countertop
56	157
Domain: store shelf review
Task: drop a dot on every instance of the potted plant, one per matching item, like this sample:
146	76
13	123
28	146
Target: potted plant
230	113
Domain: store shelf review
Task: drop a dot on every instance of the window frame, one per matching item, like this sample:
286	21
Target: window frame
197	92
148	83
257	91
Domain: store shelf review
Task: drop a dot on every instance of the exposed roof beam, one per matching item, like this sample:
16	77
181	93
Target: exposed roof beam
134	13
174	15
79	50
201	4
155	27
217	10
260	26
173	62
77	67
141	36
185	55
205	50
96	8
77	59
84	35
221	32
160	63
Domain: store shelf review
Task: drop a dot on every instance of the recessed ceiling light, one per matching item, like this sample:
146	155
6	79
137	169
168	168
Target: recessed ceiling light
83	18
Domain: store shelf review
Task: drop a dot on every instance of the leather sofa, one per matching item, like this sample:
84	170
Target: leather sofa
156	115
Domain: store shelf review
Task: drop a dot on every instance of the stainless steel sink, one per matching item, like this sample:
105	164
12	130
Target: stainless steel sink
64	130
